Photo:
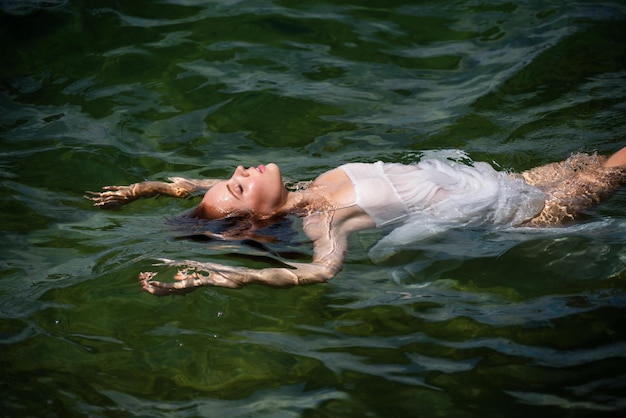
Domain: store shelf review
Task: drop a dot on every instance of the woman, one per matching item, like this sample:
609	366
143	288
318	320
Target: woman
418	201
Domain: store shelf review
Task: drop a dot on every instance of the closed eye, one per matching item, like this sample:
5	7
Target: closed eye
236	190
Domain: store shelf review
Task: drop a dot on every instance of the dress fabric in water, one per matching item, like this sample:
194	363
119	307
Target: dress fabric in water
422	200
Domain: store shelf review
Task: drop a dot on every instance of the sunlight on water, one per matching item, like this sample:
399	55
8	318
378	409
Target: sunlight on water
468	324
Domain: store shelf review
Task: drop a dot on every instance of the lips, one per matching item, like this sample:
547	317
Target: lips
261	168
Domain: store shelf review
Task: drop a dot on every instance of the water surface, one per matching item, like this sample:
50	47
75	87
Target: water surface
96	93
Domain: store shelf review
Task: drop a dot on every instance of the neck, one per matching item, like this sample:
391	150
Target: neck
304	202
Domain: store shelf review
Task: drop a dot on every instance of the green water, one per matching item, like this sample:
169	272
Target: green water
96	93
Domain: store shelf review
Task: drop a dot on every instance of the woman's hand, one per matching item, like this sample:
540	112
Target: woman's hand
113	197
191	278
157	288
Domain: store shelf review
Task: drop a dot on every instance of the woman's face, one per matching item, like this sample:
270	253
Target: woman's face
257	190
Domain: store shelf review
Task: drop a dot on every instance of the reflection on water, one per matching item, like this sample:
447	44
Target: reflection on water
521	322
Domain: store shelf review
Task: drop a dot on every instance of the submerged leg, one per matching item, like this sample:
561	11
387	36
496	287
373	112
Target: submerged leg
617	160
575	185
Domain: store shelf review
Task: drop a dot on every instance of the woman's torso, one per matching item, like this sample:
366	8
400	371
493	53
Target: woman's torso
442	192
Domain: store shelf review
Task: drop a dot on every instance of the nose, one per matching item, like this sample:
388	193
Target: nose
241	172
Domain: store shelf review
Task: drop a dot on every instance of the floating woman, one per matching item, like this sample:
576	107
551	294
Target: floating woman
416	201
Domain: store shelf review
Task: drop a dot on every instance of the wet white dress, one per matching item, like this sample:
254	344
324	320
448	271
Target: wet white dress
433	196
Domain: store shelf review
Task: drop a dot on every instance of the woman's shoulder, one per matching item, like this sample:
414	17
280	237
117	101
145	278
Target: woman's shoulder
335	190
336	175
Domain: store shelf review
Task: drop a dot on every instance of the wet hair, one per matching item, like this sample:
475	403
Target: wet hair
237	226
276	237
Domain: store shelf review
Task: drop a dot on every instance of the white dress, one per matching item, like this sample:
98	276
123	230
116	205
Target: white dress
433	196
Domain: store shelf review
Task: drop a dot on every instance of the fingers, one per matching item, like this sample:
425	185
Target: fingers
106	204
187	273
111	197
185	282
104	199
120	191
163	289
157	291
146	275
190	265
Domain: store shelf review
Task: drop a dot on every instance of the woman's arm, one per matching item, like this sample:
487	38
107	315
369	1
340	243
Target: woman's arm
196	275
113	197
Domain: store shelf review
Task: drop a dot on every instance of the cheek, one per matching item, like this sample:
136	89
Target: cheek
265	198
277	191
255	196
